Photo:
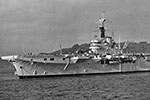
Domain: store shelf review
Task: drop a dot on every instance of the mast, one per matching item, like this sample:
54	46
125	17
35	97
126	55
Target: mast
120	49
101	25
60	49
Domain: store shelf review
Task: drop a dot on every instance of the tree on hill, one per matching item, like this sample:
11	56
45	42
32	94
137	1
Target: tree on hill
133	47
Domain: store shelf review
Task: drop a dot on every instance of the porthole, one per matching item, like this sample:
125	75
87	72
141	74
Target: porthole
63	58
45	59
51	59
21	67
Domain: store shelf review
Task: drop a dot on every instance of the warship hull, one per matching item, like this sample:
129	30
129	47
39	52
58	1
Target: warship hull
28	69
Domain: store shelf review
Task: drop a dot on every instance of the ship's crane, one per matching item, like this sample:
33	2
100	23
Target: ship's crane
125	45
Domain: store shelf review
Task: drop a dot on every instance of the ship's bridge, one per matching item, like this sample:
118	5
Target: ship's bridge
101	44
95	45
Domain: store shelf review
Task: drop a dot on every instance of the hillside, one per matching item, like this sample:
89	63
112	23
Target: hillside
73	49
133	47
141	47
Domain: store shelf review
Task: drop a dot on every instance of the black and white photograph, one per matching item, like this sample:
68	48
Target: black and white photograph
74	50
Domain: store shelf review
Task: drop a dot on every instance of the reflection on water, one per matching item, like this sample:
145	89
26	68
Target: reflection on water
8	76
6	71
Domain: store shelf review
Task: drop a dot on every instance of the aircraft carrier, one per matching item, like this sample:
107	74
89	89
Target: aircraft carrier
105	56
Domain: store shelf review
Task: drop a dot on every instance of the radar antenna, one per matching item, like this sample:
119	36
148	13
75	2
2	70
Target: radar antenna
101	25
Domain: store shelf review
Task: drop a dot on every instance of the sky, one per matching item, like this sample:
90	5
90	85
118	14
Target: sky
42	25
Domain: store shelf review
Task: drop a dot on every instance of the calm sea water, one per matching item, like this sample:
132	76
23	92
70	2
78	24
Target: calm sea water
95	87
